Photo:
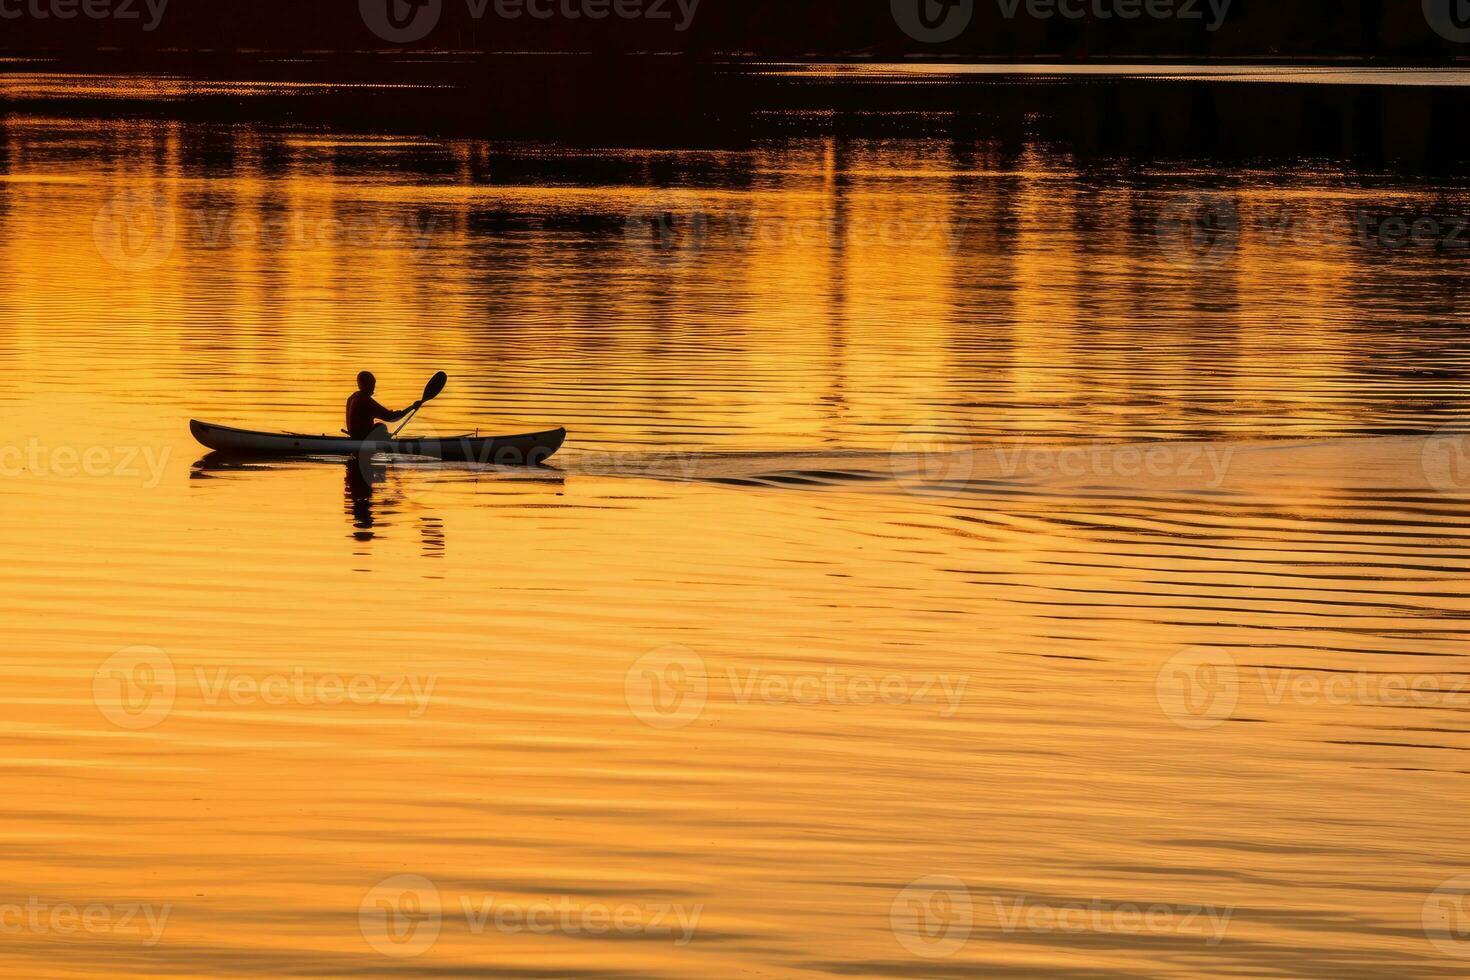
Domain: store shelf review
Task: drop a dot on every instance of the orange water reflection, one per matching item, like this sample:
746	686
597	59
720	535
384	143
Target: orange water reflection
775	692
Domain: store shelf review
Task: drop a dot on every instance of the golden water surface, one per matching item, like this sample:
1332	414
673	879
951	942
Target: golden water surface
963	563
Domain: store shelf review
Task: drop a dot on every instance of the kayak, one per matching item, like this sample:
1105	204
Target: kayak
532	449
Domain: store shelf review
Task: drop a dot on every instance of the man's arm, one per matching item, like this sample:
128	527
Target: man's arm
383	415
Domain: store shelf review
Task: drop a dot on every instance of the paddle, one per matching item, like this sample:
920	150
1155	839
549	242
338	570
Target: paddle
432	390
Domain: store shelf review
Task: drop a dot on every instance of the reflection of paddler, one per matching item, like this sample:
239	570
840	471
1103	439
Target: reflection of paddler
361	476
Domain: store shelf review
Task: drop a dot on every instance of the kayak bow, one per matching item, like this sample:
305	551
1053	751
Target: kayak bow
531	449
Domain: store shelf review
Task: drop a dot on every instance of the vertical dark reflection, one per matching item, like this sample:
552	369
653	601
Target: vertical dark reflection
836	180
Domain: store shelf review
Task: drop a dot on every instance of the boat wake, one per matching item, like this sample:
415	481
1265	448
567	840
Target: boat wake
1433	464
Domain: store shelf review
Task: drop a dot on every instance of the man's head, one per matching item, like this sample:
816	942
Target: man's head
366	383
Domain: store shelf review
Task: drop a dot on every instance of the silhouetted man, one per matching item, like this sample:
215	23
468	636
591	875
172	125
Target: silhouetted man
364	412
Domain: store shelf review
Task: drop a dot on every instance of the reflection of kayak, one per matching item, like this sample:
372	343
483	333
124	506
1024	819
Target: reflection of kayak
526	450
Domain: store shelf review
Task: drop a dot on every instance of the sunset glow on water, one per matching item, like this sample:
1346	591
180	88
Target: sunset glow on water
960	564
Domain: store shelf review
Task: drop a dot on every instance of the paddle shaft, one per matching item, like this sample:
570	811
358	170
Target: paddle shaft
405	422
432	390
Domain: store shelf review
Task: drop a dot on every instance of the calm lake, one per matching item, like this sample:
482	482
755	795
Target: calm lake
974	554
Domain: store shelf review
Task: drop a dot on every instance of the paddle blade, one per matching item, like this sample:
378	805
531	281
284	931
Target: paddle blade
435	387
